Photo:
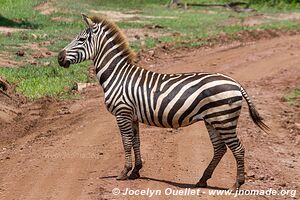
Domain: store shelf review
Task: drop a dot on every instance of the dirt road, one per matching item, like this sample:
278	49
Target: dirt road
72	149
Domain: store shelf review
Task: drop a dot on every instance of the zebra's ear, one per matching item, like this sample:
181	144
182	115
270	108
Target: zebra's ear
87	20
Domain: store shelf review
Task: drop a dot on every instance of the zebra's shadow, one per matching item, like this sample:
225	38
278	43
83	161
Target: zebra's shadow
175	184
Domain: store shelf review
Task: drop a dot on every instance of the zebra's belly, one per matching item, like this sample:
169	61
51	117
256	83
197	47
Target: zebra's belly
171	119
196	118
179	121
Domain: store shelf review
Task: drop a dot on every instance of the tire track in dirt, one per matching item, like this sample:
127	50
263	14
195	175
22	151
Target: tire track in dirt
83	153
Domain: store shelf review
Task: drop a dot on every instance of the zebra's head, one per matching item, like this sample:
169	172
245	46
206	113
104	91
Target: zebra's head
82	46
101	41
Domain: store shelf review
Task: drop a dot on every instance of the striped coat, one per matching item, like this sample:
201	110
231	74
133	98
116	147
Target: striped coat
172	100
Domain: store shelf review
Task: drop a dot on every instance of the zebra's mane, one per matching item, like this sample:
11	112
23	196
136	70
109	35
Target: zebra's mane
120	39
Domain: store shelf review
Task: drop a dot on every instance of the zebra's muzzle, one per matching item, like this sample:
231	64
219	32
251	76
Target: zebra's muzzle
62	59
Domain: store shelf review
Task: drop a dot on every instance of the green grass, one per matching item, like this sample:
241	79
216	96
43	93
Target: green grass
50	81
293	97
35	81
192	28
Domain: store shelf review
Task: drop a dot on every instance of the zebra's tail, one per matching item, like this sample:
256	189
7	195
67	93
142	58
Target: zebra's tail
257	119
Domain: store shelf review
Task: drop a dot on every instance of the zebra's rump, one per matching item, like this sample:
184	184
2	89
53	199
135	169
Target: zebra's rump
180	100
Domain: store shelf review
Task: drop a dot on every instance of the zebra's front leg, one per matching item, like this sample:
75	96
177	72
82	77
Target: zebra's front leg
125	126
137	152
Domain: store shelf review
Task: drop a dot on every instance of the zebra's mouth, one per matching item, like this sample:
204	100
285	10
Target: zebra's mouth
62	59
64	63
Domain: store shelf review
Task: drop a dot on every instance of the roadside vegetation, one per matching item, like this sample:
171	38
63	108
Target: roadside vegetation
47	26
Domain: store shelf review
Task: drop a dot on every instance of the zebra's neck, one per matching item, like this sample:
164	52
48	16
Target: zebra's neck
112	71
109	60
112	53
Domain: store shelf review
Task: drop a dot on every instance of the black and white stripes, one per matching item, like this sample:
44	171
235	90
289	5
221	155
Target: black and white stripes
134	95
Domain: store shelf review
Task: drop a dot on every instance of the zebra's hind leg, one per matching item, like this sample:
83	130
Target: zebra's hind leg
125	126
232	141
137	153
219	150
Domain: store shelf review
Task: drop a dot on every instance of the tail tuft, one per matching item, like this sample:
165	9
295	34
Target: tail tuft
257	119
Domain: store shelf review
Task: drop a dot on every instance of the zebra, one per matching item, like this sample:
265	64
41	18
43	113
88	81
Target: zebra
135	95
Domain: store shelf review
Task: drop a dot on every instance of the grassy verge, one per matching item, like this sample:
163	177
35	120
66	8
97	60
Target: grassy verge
183	27
35	81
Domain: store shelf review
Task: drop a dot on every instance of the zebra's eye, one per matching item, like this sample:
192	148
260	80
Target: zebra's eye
82	39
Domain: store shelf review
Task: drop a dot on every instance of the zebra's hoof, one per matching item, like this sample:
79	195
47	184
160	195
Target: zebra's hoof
236	186
122	177
133	176
233	188
201	184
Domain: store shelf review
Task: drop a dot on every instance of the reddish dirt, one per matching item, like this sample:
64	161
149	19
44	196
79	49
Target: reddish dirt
46	8
9	30
72	149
